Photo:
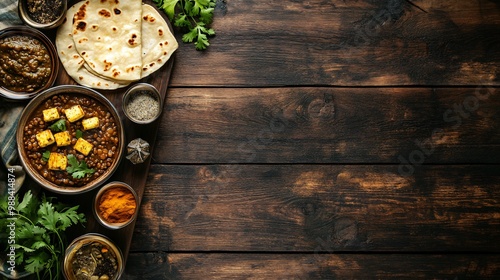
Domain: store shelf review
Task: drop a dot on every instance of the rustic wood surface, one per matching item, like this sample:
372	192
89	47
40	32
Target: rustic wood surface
329	140
324	140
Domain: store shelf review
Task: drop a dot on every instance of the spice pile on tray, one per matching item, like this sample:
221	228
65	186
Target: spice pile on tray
109	44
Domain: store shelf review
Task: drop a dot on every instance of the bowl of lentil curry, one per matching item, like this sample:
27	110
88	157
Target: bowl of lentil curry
70	139
29	65
42	14
115	205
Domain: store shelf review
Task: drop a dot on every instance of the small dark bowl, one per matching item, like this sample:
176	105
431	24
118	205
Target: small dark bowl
28	20
28	31
25	117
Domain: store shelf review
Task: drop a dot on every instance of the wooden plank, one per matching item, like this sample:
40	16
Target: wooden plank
330	125
161	265
346	43
324	208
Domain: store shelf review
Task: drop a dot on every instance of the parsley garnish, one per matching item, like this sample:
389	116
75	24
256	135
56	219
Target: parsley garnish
193	15
60	125
39	232
78	169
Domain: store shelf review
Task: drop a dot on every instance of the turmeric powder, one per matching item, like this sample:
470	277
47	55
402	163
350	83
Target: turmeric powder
117	205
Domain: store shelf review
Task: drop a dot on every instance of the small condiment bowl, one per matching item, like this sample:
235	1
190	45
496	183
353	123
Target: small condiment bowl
25	16
101	195
134	92
36	34
88	239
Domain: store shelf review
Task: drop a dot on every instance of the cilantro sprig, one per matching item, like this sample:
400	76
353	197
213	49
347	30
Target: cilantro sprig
195	16
39	226
58	126
78	169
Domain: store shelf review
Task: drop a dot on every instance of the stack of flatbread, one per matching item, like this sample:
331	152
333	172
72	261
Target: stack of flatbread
107	44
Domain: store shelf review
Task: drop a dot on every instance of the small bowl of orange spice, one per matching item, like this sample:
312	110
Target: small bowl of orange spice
115	205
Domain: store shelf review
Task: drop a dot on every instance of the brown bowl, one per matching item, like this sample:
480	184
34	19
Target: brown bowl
92	239
54	62
29	20
111	139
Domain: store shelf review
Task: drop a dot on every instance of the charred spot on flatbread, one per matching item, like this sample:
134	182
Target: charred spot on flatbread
95	27
149	18
81	26
132	41
105	13
117	11
80	14
160	32
107	65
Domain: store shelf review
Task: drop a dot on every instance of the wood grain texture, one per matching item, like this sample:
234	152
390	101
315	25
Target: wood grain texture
346	43
311	266
319	208
330	125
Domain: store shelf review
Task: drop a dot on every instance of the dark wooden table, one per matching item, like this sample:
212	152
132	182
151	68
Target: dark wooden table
329	139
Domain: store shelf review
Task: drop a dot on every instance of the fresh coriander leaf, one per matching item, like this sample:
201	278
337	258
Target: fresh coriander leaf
69	217
23	206
190	36
169	7
47	216
24	248
191	16
206	15
46	155
79	134
78	169
181	20
37	262
60	125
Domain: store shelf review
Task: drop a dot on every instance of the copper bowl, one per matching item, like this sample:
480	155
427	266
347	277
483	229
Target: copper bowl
24	120
25	16
33	33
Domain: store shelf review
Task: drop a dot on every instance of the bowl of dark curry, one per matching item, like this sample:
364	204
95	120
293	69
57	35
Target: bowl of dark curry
42	14
70	139
29	62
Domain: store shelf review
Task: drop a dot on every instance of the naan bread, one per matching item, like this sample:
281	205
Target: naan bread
158	43
107	34
71	59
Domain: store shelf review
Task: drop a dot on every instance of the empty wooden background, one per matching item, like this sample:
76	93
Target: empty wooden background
329	139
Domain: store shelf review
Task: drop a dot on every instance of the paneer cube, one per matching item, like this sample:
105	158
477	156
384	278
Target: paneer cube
45	138
83	146
50	114
63	138
57	161
74	113
90	123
